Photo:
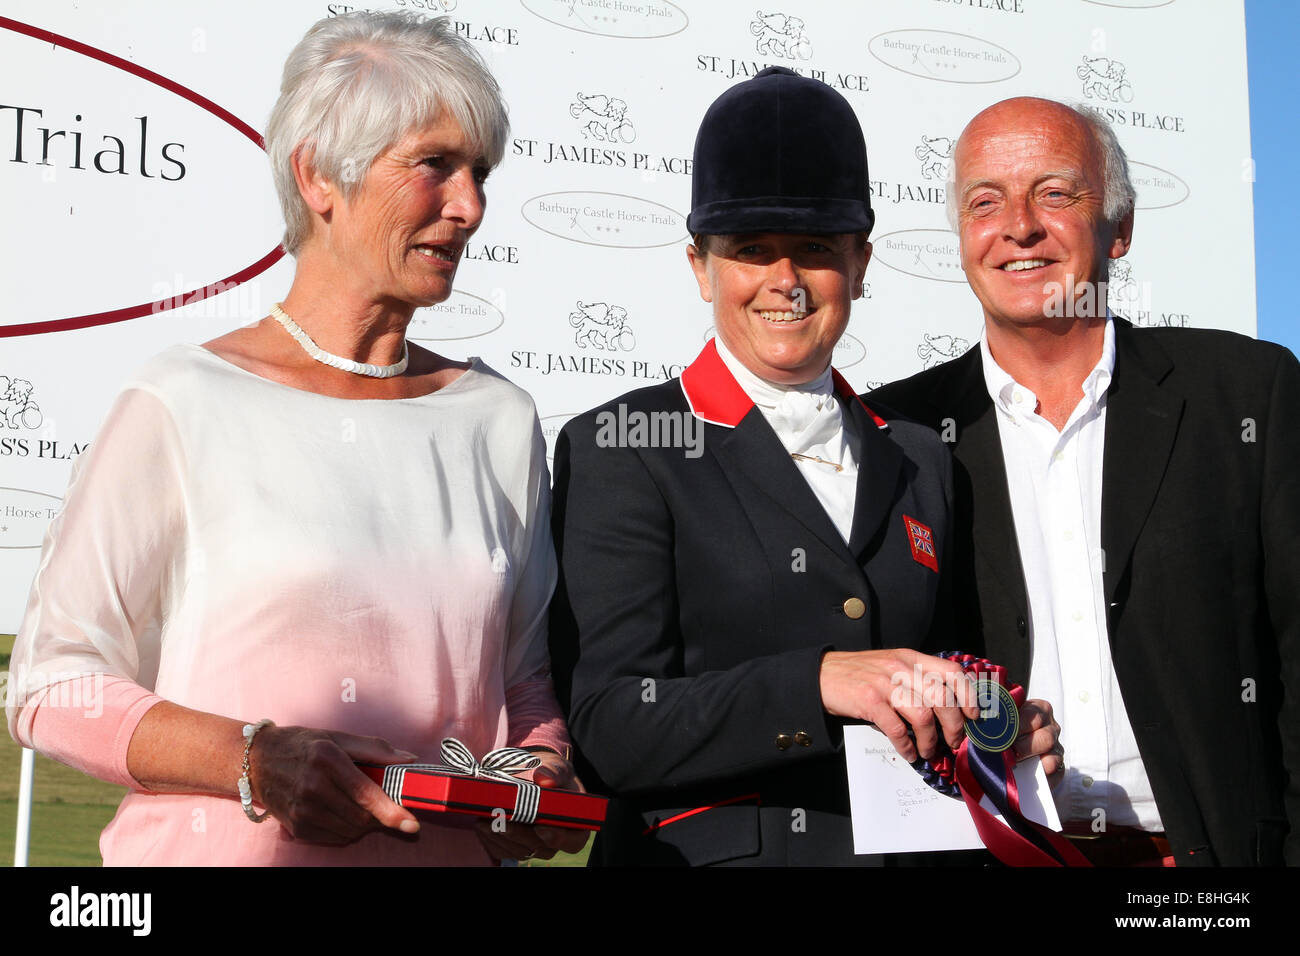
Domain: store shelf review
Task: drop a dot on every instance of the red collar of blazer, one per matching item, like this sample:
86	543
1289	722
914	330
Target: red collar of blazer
714	395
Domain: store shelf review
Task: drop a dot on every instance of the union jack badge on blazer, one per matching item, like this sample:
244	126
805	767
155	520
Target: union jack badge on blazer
921	538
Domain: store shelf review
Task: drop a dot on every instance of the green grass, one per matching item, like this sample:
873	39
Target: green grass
62	834
564	859
69	808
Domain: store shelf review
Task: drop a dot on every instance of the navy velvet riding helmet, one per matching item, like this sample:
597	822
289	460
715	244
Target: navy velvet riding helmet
780	152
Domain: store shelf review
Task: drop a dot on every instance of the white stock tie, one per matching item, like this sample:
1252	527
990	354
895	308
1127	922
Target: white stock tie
810	424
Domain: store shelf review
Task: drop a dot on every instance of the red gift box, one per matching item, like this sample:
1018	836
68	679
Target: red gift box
467	787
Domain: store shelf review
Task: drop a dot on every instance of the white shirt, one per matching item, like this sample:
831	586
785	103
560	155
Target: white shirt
237	546
1054	479
809	421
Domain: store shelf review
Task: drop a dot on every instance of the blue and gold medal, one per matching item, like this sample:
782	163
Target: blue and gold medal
982	767
998	724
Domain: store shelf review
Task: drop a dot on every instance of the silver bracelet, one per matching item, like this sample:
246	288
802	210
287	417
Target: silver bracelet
245	787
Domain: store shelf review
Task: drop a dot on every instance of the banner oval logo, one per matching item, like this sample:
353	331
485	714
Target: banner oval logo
924	253
106	172
1156	188
26	515
605	219
551	425
940	55
462	316
1130	4
849	351
644	20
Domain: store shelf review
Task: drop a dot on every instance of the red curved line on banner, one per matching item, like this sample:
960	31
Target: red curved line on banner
134	68
223	114
148	308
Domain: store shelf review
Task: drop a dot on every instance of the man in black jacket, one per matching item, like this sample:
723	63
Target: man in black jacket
1128	509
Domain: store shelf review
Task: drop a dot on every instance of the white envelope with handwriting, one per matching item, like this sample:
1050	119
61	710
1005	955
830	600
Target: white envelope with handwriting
895	811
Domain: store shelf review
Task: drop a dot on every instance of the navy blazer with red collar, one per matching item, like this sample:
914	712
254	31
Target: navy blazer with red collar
697	596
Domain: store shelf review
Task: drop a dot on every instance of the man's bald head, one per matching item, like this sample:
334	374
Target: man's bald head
1024	111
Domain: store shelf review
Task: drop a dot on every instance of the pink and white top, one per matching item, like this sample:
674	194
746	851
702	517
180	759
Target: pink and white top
252	550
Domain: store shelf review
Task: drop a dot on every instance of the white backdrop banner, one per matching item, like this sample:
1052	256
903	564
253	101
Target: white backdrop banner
139	210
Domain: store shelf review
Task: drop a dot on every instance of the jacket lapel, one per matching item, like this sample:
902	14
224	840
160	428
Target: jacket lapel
980	465
979	452
1141	424
750	447
747	446
963	397
753	450
879	462
983	502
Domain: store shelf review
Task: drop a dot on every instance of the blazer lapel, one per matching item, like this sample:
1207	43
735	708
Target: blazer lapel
752	449
1141	424
981	470
749	447
746	445
983	502
983	495
992	525
879	463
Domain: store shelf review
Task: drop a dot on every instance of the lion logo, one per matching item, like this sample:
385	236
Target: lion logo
1104	79
1121	286
780	35
603	118
934	153
937	349
17	410
602	326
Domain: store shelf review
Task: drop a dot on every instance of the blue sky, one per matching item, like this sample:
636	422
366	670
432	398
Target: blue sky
1272	29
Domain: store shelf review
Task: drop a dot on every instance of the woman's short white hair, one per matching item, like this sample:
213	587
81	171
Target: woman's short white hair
357	84
1118	197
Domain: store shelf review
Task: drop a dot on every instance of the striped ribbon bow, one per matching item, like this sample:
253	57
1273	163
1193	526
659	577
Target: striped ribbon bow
498	765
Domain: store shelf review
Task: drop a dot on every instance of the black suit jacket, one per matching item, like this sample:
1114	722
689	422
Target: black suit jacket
697	596
1200	525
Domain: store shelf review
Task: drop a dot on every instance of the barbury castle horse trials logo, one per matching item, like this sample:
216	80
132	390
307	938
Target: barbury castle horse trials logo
17	410
603	117
602	326
1105	79
934	153
780	35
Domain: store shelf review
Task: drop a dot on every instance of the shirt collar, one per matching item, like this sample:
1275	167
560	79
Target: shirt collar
1001	386
714	395
1098	380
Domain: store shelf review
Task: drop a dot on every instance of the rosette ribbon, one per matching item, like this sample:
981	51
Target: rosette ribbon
498	765
984	766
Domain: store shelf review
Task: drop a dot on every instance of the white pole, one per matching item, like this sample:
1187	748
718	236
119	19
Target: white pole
23	830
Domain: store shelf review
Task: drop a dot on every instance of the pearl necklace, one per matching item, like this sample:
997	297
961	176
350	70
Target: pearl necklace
337	361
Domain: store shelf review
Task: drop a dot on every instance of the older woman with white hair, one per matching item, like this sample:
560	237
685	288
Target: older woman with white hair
310	542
